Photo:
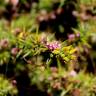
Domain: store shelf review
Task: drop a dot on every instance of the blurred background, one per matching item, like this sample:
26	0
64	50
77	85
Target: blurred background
47	47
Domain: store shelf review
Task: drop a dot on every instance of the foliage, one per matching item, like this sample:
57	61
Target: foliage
47	46
6	87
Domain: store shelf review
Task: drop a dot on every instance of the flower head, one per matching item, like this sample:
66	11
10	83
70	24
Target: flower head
53	45
13	2
14	82
4	43
14	51
73	73
71	37
78	35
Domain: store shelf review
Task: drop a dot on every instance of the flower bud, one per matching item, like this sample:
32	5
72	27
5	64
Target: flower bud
4	43
14	82
14	51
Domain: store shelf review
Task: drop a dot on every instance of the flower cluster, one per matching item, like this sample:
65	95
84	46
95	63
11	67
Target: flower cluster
53	45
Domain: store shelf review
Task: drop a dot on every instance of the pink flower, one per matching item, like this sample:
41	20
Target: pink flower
14	51
43	39
73	73
75	13
84	17
78	35
52	15
13	2
4	43
53	45
54	69
14	82
17	31
59	11
71	37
